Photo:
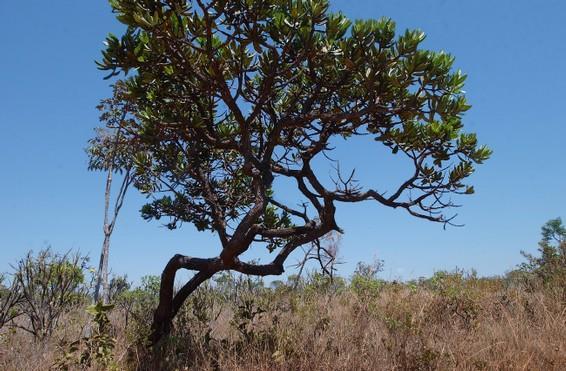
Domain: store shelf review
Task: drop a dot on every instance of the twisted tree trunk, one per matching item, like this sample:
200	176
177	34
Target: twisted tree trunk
170	302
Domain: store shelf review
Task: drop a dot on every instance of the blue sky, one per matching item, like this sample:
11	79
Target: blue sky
513	52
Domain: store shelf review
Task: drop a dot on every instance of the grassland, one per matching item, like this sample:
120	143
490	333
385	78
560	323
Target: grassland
452	321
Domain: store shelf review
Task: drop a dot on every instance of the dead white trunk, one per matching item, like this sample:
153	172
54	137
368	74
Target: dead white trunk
102	274
102	292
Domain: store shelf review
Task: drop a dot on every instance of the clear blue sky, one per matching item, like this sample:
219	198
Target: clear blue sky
513	51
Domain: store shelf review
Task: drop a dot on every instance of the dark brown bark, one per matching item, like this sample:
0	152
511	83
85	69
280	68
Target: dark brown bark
166	311
170	303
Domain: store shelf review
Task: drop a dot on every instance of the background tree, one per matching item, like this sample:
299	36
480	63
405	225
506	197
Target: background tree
49	285
107	153
323	250
550	266
232	95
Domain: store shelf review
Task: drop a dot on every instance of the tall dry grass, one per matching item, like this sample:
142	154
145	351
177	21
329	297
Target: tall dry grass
453	323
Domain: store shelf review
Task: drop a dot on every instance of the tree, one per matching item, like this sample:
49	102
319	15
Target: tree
107	154
325	252
550	266
49	285
232	95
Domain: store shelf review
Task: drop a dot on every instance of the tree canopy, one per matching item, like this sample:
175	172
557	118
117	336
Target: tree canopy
230	95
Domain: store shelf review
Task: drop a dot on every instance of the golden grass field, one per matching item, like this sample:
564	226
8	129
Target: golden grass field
455	322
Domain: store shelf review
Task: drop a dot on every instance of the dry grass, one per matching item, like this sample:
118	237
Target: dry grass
479	325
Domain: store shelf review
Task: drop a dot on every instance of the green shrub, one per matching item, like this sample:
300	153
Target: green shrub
364	281
94	349
138	305
51	285
549	268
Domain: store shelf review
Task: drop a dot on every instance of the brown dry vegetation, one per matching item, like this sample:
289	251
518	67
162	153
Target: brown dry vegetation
451	321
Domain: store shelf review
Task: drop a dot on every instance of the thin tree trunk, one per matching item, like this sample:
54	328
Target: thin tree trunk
102	289
302	266
102	276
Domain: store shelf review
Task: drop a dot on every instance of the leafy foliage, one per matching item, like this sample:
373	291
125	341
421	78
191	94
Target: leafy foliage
105	149
306	74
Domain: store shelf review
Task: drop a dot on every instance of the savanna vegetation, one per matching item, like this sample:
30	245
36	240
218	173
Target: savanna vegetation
221	102
215	104
452	320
